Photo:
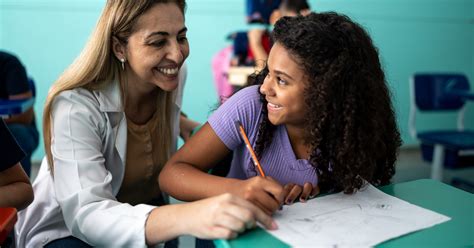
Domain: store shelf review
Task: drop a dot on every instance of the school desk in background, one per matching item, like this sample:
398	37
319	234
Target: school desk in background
426	193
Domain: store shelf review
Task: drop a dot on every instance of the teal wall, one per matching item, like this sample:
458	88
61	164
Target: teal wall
412	36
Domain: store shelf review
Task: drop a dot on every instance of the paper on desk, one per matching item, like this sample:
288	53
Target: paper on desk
366	218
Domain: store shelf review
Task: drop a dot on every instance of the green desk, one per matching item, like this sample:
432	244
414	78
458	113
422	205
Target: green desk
426	193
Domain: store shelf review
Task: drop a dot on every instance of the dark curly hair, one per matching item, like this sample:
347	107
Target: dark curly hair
351	129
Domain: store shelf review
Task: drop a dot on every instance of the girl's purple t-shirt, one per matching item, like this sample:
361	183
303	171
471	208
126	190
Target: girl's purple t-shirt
278	159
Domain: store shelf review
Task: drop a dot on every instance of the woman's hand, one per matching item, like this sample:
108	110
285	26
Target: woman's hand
264	192
292	191
225	216
219	217
186	127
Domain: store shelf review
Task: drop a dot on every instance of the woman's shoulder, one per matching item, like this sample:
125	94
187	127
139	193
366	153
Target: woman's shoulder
102	93
78	105
74	96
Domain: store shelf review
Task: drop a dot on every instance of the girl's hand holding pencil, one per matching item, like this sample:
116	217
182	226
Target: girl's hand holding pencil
265	193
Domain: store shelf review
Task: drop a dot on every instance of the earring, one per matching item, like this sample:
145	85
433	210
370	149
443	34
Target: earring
122	60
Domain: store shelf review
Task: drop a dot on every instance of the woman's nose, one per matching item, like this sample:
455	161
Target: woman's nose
176	53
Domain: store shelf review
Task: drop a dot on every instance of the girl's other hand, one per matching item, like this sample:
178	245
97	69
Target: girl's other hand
292	191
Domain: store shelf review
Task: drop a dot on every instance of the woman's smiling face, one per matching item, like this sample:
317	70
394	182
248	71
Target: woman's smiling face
158	47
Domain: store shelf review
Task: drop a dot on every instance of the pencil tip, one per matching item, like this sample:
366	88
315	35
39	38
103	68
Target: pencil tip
237	124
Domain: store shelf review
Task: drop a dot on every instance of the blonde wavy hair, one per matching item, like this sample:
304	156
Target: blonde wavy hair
97	66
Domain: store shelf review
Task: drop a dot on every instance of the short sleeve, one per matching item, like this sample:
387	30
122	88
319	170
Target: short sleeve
11	151
244	106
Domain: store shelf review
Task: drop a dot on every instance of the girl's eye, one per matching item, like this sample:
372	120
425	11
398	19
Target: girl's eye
281	81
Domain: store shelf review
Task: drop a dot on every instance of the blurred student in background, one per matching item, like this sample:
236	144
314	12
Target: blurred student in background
15	186
14	85
268	13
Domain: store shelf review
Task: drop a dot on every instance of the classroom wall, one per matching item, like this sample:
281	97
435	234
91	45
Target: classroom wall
412	36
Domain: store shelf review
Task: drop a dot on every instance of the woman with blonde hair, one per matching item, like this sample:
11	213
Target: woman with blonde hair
111	121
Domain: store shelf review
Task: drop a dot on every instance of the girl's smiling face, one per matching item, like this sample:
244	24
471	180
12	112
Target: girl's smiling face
284	88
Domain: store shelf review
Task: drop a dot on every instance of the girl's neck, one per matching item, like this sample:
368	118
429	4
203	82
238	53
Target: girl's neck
296	136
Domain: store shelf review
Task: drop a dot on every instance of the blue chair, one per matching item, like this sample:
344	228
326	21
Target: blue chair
13	107
441	93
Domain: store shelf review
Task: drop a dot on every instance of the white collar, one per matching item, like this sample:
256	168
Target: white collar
110	97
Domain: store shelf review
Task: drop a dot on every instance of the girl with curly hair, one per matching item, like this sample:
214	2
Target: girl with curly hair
320	115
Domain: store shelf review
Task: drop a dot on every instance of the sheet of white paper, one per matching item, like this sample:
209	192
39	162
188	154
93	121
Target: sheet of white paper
366	218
